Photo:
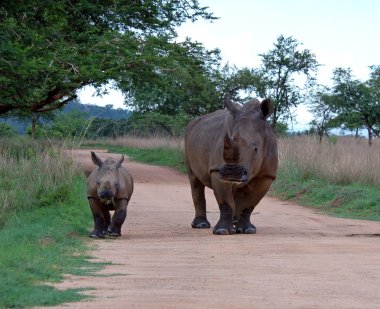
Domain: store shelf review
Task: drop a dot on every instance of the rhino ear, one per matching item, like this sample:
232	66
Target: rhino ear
121	160
231	106
97	161
266	108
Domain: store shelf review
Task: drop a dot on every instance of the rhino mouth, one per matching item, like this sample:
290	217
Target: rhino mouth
233	173
107	201
106	197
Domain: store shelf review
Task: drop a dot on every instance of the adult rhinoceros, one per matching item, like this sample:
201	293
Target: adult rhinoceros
234	152
109	187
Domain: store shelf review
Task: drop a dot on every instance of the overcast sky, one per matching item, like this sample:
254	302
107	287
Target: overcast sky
341	33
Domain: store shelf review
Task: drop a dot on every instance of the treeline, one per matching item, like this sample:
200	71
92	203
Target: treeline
51	50
79	124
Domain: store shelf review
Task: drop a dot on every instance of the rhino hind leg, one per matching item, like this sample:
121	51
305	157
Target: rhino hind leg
198	194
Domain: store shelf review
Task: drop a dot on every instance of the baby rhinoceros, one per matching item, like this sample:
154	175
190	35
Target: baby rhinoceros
109	187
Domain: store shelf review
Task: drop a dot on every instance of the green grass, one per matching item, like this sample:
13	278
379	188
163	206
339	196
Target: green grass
157	156
39	246
354	200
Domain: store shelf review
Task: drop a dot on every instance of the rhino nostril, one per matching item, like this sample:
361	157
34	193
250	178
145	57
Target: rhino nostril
106	194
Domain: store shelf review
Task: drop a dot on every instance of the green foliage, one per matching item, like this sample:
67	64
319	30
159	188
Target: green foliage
7	130
275	77
149	124
40	246
233	81
321	106
50	49
65	125
185	86
357	103
281	129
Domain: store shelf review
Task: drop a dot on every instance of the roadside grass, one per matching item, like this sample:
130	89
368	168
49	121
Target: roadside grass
38	247
44	222
354	200
32	173
171	157
340	177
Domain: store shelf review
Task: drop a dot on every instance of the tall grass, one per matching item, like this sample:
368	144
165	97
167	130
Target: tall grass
32	174
342	160
132	141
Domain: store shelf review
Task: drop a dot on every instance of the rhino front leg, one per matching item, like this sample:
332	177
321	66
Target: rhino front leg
198	194
224	197
247	201
100	225
118	218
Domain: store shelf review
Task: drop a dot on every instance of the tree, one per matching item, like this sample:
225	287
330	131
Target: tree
185	87
49	49
276	76
357	103
64	125
322	109
236	82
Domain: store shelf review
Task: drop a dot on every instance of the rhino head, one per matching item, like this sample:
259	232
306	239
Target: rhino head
107	180
245	139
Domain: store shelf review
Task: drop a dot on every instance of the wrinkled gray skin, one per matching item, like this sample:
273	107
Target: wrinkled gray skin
234	152
109	187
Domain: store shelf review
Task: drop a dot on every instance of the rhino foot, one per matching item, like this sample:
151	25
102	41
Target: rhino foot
246	230
200	223
113	233
97	234
223	231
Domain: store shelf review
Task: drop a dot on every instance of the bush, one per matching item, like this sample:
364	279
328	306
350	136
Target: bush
7	130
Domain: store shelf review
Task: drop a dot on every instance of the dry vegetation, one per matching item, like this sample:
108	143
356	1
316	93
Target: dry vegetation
338	160
141	142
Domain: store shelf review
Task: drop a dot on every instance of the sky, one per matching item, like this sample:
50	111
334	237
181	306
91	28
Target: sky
340	33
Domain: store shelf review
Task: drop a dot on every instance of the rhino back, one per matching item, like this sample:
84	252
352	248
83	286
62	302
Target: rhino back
203	135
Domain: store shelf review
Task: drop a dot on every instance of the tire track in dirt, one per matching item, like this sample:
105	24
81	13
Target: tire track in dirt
297	259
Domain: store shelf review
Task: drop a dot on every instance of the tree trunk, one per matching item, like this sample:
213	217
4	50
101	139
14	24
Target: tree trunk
34	123
369	136
357	133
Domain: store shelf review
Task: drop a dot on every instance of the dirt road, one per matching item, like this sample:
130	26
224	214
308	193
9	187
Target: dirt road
297	259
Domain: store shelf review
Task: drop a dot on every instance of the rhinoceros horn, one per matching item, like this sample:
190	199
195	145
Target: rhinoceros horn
231	149
230	105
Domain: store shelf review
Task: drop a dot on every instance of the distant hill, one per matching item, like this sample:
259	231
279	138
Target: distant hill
89	110
107	112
